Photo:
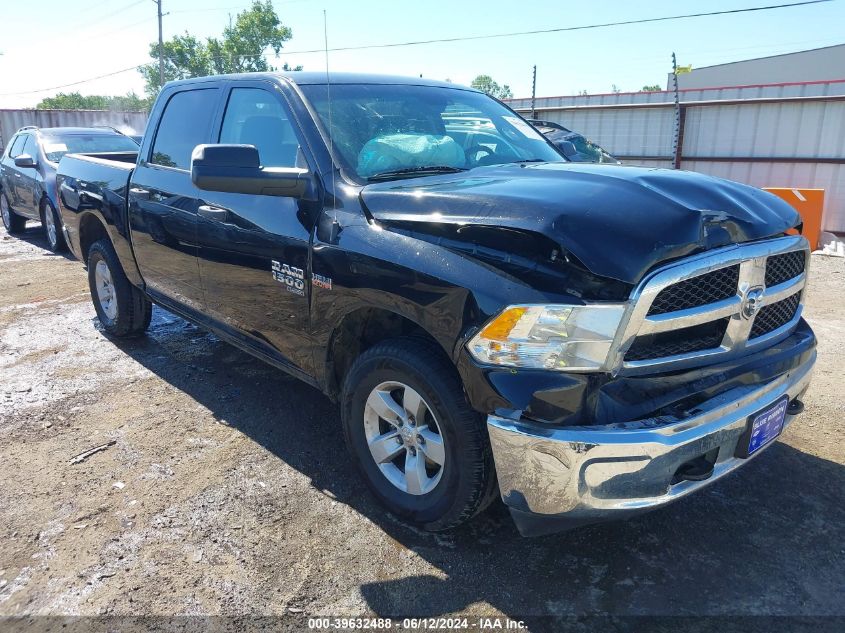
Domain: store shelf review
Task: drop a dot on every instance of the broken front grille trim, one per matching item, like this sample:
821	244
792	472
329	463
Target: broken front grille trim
752	259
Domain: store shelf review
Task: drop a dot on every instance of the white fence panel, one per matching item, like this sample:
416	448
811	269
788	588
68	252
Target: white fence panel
794	130
627	132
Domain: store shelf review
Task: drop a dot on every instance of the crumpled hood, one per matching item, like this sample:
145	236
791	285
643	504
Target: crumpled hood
619	221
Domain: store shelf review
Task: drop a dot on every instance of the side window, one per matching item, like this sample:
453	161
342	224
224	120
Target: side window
185	123
31	146
255	117
17	145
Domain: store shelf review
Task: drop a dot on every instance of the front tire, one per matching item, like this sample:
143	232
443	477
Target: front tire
52	224
123	310
420	447
13	222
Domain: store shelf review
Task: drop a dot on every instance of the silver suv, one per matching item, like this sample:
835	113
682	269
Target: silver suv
28	173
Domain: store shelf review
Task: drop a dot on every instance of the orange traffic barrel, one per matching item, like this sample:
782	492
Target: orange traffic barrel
810	205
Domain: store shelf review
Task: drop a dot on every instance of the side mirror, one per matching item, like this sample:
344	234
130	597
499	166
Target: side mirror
567	147
24	160
237	169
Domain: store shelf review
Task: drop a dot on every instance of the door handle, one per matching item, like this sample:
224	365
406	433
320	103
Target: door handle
143	194
213	213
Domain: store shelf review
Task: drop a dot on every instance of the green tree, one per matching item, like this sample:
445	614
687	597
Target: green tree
485	83
652	88
184	56
76	101
240	49
130	102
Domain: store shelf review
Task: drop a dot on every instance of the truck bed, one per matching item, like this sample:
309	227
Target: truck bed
96	185
93	175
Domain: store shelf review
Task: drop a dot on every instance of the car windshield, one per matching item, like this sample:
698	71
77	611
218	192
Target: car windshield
400	131
56	146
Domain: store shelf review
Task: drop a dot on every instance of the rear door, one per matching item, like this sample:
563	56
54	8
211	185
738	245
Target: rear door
253	249
163	203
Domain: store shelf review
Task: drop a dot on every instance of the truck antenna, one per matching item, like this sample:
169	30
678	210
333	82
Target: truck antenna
331	125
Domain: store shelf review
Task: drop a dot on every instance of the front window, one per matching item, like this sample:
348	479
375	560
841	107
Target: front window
384	131
255	117
57	145
16	148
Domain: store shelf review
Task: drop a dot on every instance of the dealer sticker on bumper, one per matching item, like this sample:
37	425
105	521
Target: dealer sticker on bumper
763	427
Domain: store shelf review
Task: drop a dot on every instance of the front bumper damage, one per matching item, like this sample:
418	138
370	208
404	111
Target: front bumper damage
557	478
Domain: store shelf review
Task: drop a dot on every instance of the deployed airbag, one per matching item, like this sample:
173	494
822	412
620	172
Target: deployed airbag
401	151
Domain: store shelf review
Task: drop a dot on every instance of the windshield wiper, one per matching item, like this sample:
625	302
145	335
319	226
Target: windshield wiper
526	160
416	171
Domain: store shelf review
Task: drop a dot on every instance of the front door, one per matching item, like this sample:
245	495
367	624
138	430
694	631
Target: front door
253	249
163	202
28	180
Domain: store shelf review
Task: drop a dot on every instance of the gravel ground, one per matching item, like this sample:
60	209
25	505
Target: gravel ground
227	490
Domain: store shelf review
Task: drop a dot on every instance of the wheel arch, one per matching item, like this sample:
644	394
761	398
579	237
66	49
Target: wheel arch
42	204
359	330
91	229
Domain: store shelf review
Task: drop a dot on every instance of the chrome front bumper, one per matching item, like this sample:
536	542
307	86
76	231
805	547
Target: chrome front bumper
554	479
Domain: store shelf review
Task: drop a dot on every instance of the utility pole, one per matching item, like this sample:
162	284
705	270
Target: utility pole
534	94
160	48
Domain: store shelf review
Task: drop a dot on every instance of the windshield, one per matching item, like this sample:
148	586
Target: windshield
399	130
56	146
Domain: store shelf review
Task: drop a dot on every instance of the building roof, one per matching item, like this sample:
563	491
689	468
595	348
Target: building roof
817	64
832	49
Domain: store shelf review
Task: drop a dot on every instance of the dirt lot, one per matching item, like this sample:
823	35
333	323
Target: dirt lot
228	491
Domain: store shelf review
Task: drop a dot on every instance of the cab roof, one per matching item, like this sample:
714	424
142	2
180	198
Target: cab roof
303	78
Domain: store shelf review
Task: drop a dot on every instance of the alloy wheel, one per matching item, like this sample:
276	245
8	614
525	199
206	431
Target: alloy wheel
6	211
50	224
106	293
404	438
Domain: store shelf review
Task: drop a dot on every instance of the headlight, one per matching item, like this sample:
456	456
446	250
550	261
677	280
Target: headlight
559	337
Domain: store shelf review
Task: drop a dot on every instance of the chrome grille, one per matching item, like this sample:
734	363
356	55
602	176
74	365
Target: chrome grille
775	316
712	306
780	268
707	288
689	339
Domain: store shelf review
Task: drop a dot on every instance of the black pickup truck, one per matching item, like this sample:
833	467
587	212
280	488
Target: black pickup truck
589	341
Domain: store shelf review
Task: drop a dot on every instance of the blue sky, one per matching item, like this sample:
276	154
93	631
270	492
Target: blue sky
79	39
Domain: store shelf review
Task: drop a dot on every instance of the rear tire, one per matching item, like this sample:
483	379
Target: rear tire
414	379
123	310
52	224
13	222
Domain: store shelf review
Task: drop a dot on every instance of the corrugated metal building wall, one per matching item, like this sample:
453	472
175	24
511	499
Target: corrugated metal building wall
787	135
12	120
